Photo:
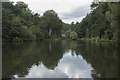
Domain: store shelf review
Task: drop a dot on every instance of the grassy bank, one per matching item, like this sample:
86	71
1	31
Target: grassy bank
55	39
96	40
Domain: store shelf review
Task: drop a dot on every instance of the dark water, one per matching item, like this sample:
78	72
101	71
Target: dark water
60	59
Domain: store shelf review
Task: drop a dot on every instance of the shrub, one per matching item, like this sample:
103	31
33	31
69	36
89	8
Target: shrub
17	39
67	34
73	35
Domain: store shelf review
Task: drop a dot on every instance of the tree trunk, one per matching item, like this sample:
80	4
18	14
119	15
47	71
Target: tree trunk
50	30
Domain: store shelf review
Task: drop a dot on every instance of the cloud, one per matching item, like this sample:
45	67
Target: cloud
66	9
79	19
68	67
76	13
41	72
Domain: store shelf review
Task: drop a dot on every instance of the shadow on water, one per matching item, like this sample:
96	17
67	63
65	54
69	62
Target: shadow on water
17	59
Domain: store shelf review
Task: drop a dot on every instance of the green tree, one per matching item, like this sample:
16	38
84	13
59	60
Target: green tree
52	23
73	35
37	32
67	33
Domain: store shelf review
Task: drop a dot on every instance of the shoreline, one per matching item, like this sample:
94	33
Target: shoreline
96	40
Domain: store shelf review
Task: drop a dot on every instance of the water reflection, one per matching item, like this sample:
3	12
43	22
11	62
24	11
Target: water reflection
68	67
103	57
60	59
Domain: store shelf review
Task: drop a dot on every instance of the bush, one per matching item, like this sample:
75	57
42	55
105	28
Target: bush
73	35
67	34
17	39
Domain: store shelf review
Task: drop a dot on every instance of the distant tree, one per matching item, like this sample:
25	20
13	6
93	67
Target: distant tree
67	34
73	35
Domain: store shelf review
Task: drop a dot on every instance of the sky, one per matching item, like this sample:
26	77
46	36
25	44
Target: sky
68	67
67	10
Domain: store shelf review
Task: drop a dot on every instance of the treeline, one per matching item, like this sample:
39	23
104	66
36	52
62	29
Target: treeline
101	23
21	24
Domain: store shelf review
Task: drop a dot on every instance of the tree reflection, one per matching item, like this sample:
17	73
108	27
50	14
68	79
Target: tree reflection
19	58
103	57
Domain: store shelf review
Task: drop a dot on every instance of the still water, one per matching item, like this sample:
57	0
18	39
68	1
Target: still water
60	59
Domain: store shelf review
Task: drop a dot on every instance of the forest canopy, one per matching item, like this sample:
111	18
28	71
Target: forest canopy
20	23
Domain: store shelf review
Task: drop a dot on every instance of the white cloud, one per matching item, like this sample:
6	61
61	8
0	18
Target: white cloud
73	20
68	67
59	6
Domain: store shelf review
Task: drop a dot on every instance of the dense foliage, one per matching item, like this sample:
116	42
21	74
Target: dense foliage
101	22
71	35
21	24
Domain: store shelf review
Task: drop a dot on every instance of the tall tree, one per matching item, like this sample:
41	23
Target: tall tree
52	23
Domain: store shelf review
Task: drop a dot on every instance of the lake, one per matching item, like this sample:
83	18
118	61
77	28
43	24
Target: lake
60	59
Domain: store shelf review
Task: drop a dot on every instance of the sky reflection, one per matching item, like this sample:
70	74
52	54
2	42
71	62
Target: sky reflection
69	67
